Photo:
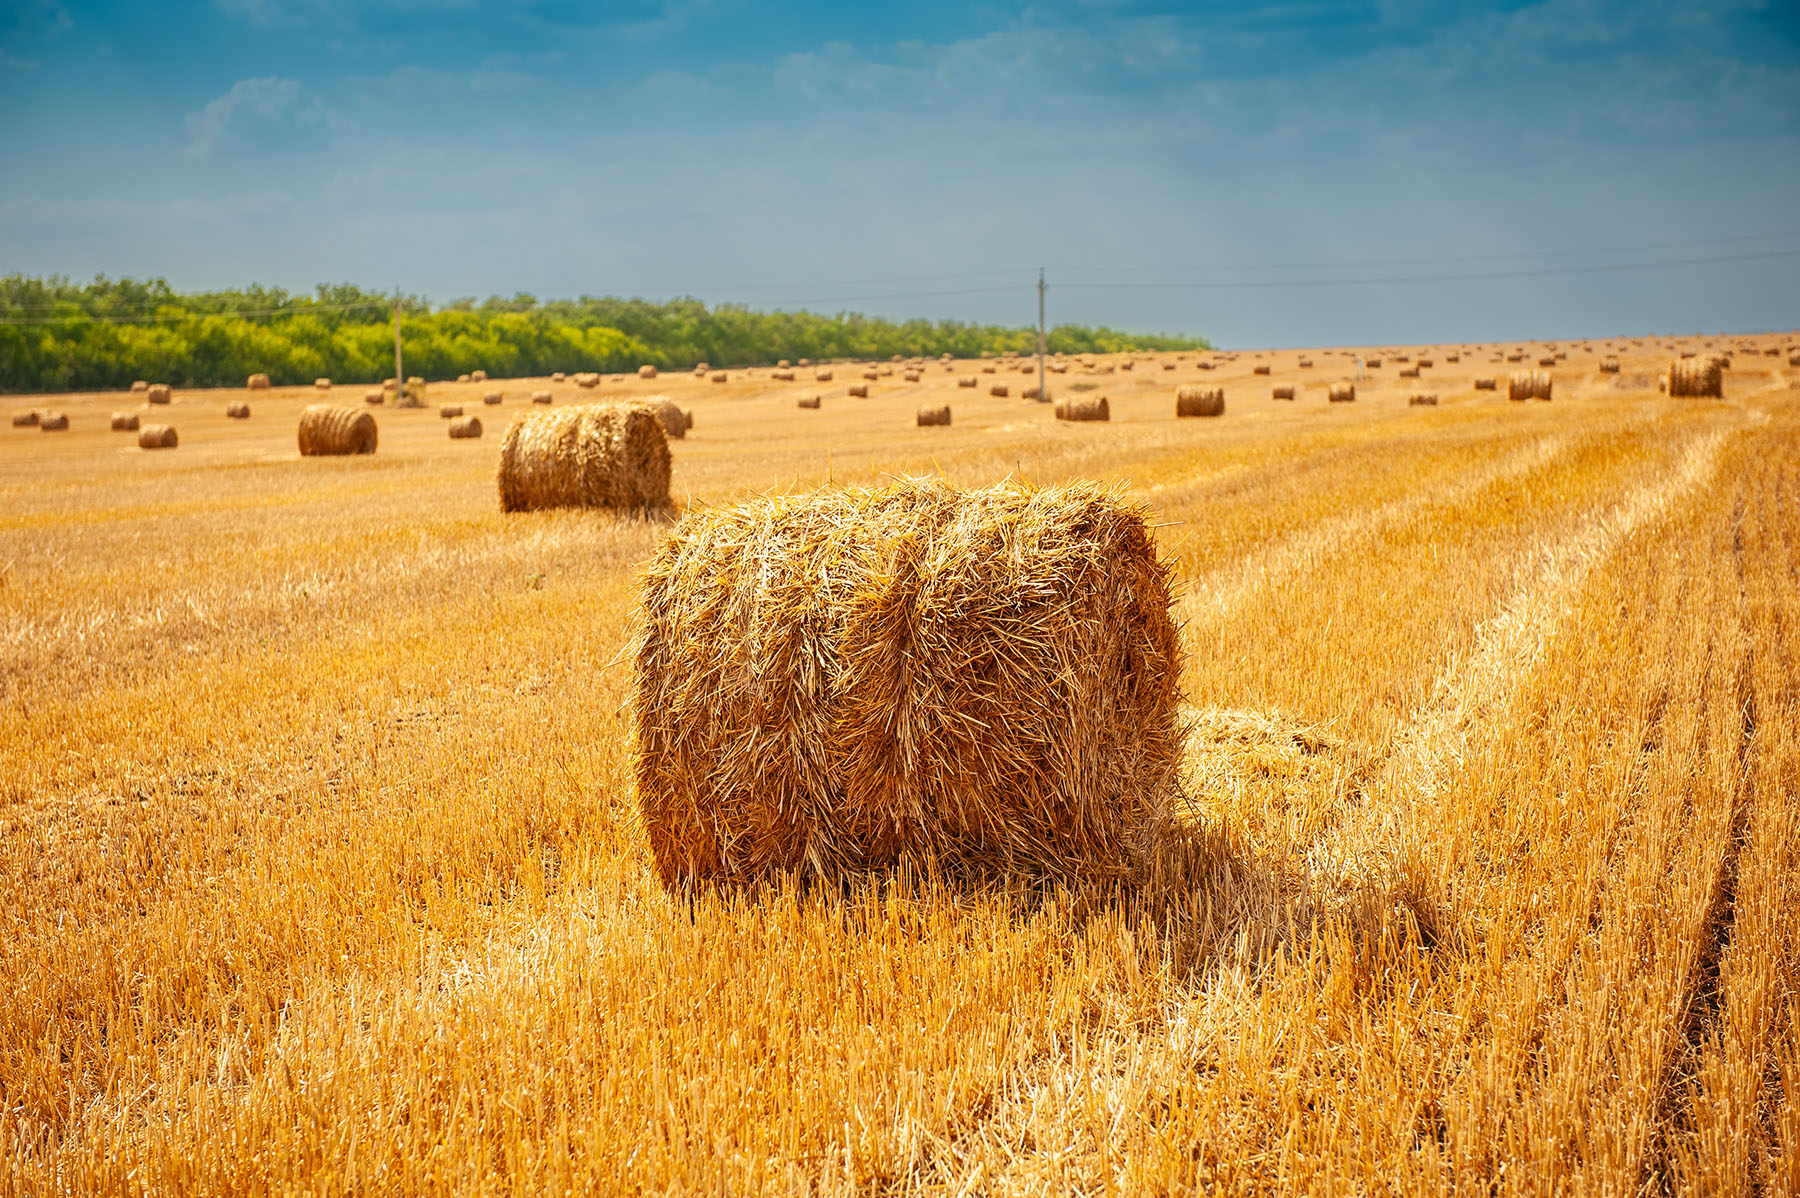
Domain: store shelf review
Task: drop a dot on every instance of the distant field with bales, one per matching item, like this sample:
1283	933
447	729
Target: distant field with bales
647	750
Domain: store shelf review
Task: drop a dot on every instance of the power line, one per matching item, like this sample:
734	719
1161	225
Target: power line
86	318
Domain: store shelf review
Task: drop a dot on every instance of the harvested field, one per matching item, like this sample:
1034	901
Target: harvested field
325	868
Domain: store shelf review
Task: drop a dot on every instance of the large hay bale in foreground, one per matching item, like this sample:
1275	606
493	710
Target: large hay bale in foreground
1083	407
1341	393
933	414
465	428
159	393
257	382
327	430
1528	384
595	455
122	422
829	682
29	419
53	422
237	410
1193	400
1699	378
674	421
158	436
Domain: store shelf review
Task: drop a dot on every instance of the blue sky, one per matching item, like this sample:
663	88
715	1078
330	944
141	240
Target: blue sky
1236	171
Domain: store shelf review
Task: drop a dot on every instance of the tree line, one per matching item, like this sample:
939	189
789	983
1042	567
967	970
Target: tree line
56	335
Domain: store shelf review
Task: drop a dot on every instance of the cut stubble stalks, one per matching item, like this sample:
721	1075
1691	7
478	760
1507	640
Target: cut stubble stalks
829	683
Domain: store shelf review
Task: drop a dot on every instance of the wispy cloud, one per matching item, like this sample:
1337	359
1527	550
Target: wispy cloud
268	113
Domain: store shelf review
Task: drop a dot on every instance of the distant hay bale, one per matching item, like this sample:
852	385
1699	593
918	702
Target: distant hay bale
859	391
808	401
30	419
1032	392
1341	393
159	393
465	428
478	376
1195	400
1453	358
238	410
374	398
821	376
321	384
701	367
803	362
415	380
1128	364
540	397
257	382
1409	372
674	421
782	364
1028	368
157	436
782	375
871	375
1168	365
719	376
999	389
1528	384
1697	378
559	377
492	398
1059	368
122	422
1304	363
449	411
462	378
596	455
968	380
1426	400
1259	370
1547	360
139	385
53	422
328	430
1609	365
911	376
1281	393
589	379
1402	359
1373	363
933	414
988	677
1426	363
1486	384
1083	407
887	372
647	371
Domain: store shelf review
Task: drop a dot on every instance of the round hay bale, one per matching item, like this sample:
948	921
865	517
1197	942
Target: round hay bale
1341	393
1168	365
589	380
1426	363
462	378
122	422
987	676
1281	393
911	376
1609	365
1452	358
719	376
1303	363
1547	360
808	401
415	380
1027	367
784	375
374	398
1195	400
492	398
988	370
449	411
157	436
859	391
257	382
804	362
701	367
53	422
465	428
540	397
1528	384
321	384
1083	407
674	421
871	375
933	414
1373	363
1031	392
559	377
999	389
1487	384
646	371
782	364
1409	372
1259	370
1426	400
1696	378
821	376
237	411
611	455
968	380
159	393
478	376
30	419
329	430
1128	364
139	385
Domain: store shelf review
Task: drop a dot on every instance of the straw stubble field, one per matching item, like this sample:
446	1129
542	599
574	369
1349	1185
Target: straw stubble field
322	867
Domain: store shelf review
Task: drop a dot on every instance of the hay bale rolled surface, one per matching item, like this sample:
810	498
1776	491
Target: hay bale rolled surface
257	382
1696	378
321	384
1528	384
829	682
540	397
1424	400
1083	407
237	411
999	389
859	391
327	430
1194	400
30	419
139	385
1281	393
53	422
595	455
674	421
465	428
1487	384
934	414
1341	393
808	401
646	371
122	422
159	393
158	436
492	398
449	411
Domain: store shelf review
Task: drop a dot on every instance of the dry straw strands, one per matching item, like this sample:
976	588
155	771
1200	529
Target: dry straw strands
465	428
1425	400
1084	407
1194	400
257	382
1341	393
597	455
674	421
238	410
1528	384
646	371
30	419
326	429
934	414
122	422
828	683
1696	378
1487	384
53	422
159	393
492	397
157	436
807	401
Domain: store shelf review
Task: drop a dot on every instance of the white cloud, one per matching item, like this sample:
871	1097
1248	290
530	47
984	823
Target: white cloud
264	113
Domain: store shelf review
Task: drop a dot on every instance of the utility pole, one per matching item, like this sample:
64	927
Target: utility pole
399	374
1043	393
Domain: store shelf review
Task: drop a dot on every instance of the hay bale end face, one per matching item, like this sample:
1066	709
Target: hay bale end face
595	455
988	677
1341	393
934	414
30	419
53	422
1696	378
465	428
1195	400
257	382
1083	407
157	436
327	430
159	393
1528	384
237	411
